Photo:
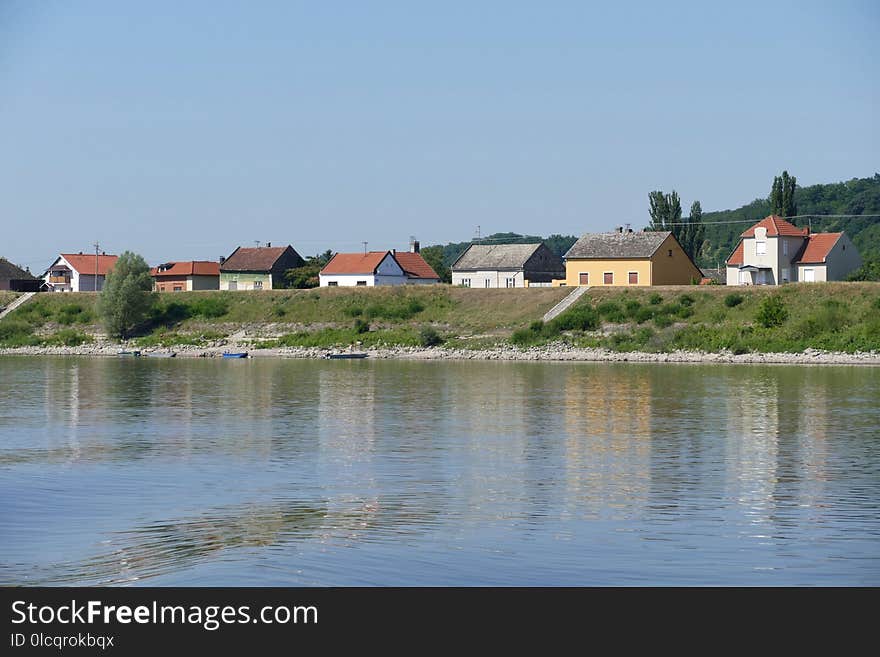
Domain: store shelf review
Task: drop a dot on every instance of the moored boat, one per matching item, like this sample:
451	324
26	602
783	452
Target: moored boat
127	352
235	354
341	355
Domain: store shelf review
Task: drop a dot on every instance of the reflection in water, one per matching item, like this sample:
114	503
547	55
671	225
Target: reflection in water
274	472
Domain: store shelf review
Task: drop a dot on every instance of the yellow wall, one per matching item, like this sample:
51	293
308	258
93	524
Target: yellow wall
661	269
597	268
675	270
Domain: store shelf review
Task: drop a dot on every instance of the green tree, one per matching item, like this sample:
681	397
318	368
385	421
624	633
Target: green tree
127	297
695	232
665	211
782	201
433	255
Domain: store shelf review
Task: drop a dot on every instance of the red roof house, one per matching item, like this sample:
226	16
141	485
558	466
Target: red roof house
186	276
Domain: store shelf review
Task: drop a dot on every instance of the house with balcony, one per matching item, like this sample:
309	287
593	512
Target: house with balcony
775	251
186	276
78	272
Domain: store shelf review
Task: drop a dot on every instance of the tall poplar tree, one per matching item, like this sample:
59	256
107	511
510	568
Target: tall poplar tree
782	201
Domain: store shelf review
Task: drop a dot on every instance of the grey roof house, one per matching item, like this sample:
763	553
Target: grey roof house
507	265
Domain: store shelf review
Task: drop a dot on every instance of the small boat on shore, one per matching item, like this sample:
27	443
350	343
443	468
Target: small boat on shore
341	355
128	353
236	354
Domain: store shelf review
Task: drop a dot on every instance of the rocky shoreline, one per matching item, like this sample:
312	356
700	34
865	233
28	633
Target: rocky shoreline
554	352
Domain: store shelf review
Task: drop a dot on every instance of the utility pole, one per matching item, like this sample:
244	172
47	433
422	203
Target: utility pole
478	232
96	265
365	247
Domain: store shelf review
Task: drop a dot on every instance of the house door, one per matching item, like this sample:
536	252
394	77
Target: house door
809	275
233	285
583	279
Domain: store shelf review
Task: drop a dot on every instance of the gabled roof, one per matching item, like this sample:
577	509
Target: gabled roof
495	256
13	272
776	226
188	268
84	263
260	258
355	263
414	265
618	245
817	247
736	258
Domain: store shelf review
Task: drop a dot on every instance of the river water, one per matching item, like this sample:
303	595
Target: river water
288	472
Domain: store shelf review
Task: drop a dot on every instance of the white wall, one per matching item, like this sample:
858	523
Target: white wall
387	273
496	278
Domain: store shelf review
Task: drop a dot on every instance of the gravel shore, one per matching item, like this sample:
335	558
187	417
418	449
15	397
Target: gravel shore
555	352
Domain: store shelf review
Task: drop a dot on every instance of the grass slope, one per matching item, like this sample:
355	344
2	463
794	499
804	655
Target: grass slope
830	316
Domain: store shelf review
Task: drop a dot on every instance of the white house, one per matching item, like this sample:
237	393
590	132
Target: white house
362	269
507	265
774	251
78	272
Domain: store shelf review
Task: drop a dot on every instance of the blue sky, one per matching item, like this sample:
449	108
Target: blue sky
181	130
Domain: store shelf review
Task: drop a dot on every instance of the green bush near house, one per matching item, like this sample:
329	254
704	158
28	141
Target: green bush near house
733	300
428	337
771	312
655	299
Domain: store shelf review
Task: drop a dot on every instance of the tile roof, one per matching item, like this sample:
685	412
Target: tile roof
354	263
736	258
84	263
10	271
261	258
414	265
618	245
776	226
188	268
495	256
817	247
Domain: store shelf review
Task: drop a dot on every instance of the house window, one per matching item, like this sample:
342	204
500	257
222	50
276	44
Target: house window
510	282
233	285
809	275
608	278
669	253
361	283
258	285
761	248
784	247
466	282
332	284
583	278
178	288
633	278
488	282
785	274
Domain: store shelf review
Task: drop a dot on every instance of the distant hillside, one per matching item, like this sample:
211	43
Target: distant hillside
856	196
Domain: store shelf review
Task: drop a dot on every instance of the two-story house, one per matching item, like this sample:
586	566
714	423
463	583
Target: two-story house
775	251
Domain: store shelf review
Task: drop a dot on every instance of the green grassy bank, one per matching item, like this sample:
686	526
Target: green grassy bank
829	316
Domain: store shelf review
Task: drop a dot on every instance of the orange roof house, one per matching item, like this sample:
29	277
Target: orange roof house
78	272
186	276
378	268
775	251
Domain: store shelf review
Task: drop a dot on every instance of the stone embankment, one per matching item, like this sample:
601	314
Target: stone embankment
557	352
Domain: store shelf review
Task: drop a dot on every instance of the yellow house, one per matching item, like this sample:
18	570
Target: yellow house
626	258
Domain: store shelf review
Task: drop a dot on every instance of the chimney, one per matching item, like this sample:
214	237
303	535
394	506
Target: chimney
628	229
268	245
222	259
393	251
103	253
620	229
413	245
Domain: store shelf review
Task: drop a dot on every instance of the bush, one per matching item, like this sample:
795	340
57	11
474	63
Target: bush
360	326
632	307
642	315
733	300
279	311
578	318
15	333
210	307
772	312
686	300
428	337
655	299
68	338
662	321
611	312
685	311
354	311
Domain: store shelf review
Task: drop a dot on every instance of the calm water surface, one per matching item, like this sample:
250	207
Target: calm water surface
282	472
